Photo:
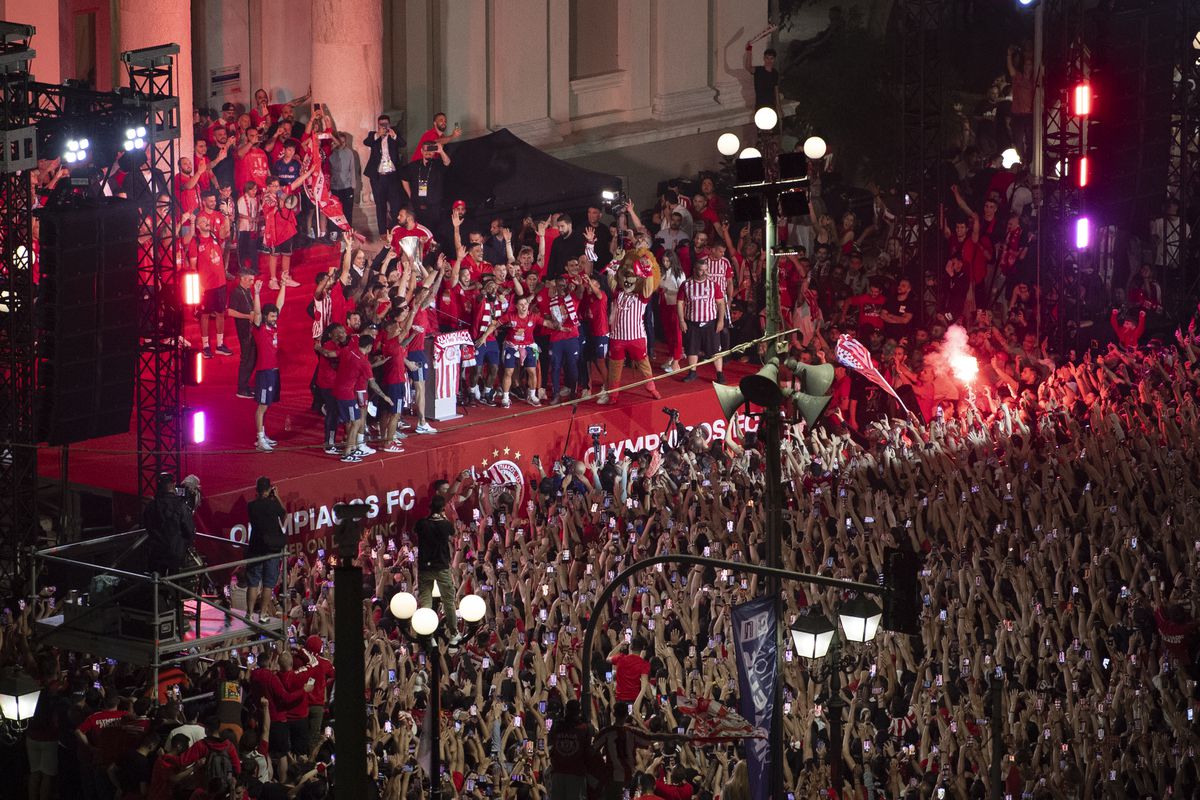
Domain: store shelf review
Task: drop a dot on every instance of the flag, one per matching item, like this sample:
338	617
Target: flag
316	186
854	355
713	722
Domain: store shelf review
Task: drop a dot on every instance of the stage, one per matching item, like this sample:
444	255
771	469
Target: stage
498	444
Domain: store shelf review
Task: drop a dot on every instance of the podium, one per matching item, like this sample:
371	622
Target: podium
441	399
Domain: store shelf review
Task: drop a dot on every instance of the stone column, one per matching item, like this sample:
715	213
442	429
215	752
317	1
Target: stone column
735	21
347	64
520	74
147	23
43	16
680	65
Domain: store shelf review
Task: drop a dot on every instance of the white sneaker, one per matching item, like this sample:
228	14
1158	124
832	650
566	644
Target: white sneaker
290	282
273	285
667	367
271	441
351	459
263	446
399	437
364	450
393	448
533	398
475	393
332	450
505	402
541	394
403	426
425	427
606	399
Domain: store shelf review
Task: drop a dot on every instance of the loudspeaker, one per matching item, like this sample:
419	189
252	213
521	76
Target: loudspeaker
763	389
88	295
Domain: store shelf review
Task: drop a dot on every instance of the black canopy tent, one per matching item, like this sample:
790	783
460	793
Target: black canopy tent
499	175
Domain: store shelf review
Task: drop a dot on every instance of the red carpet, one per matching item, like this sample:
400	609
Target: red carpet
498	443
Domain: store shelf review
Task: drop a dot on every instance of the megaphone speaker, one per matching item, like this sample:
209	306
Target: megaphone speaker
762	388
730	398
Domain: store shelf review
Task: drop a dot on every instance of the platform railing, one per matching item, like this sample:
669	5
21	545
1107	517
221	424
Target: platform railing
70	555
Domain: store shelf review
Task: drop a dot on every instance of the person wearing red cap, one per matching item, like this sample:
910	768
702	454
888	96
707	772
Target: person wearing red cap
310	665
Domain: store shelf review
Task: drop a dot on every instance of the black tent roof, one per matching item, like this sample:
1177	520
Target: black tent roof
502	175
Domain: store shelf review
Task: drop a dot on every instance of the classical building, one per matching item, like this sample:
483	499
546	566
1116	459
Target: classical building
638	87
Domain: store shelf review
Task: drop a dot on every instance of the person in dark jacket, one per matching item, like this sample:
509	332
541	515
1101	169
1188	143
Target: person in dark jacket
265	514
169	523
383	171
433	560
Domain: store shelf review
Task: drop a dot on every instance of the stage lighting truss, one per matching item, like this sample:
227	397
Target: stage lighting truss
135	138
76	150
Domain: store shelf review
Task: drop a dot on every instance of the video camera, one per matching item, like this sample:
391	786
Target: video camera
615	201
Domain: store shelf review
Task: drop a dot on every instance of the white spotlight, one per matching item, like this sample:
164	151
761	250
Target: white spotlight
1009	158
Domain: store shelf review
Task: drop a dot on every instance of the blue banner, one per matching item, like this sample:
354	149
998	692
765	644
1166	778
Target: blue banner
755	632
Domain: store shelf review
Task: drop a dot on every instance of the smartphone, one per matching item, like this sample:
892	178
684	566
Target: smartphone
391	676
387	726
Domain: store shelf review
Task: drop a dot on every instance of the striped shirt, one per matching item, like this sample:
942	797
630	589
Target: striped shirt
699	298
629	309
720	270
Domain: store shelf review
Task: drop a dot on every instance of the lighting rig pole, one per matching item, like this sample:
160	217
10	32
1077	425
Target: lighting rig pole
423	627
350	714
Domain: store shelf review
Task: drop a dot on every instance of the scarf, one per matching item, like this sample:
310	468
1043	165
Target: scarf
316	186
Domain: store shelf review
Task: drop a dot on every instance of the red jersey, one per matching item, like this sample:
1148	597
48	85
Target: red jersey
422	324
266	347
353	372
327	365
251	167
423	235
700	299
279	222
628	325
189	199
522	327
431	135
629	670
451	306
209	257
322	675
869	310
271	116
487	311
215	220
266	683
393	368
563	311
477	268
595	313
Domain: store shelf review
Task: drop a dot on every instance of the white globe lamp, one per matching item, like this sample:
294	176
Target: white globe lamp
814	147
424	621
765	119
403	605
728	144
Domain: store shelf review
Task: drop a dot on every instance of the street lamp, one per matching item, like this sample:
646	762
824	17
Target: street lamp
813	637
728	144
18	699
766	118
423	626
814	147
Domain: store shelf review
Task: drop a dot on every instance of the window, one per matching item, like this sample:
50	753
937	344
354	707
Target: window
594	29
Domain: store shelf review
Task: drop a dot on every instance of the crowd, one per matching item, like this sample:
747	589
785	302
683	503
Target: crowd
1053	499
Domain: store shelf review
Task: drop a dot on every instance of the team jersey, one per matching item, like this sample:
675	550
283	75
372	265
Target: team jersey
628	322
563	311
522	327
279	222
700	298
251	167
327	365
266	347
595	313
353	372
422	324
424	239
488	311
393	368
210	260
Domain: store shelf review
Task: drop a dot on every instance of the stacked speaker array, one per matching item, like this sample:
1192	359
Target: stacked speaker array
88	311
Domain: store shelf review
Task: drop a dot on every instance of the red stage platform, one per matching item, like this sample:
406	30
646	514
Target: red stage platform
497	443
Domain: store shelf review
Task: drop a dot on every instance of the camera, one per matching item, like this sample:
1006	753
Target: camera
671	412
597	430
615	201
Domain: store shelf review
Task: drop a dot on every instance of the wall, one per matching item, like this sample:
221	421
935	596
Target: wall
221	39
44	16
286	54
105	47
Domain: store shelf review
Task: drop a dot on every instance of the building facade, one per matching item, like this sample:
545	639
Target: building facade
639	87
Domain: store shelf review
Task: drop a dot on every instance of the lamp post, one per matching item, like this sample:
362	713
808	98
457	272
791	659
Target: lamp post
814	637
423	627
18	700
766	177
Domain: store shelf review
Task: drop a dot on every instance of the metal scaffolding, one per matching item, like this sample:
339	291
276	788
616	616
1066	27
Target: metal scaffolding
18	354
1183	164
159	397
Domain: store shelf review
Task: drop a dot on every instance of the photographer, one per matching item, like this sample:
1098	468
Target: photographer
265	514
168	521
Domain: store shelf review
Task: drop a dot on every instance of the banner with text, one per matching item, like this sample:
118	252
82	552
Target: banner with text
755	631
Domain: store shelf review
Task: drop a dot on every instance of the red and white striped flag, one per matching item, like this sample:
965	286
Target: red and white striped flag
317	187
857	357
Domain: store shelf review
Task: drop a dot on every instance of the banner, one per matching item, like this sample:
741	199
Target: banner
755	633
447	361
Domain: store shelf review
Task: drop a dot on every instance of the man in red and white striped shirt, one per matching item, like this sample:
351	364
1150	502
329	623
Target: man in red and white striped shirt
627	329
701	307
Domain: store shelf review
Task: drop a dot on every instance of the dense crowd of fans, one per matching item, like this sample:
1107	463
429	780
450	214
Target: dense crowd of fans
1053	500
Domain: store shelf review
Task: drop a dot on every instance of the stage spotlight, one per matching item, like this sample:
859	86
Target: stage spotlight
135	138
191	289
814	147
765	119
197	427
1083	233
728	144
1024	3
193	367
1083	100
1009	158
1082	173
77	150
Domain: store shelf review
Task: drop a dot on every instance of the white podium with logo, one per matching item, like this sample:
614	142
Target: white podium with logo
445	353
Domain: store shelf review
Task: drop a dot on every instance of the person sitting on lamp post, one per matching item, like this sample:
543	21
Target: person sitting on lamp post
433	548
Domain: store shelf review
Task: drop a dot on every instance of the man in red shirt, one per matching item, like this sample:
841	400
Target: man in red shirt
320	669
251	163
350	387
422	323
265	682
631	670
393	346
437	135
187	186
560	315
870	310
265	320
489	309
279	206
169	769
410	236
206	255
594	311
